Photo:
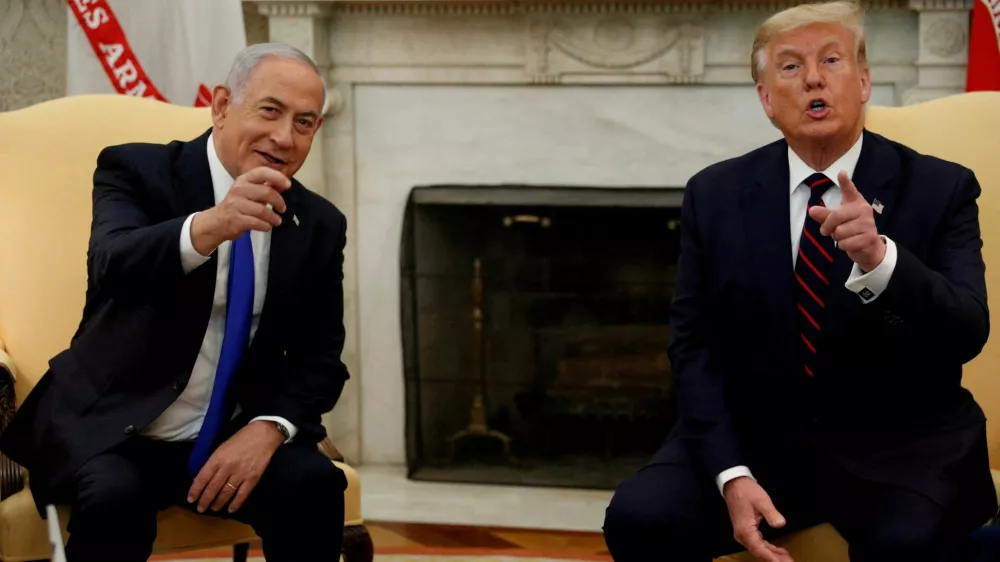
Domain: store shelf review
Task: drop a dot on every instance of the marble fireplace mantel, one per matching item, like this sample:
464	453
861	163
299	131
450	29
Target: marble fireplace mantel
389	64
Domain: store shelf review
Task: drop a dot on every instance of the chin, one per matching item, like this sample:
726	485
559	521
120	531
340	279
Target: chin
821	130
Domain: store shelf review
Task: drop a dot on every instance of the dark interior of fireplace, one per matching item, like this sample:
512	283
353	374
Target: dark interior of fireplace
535	332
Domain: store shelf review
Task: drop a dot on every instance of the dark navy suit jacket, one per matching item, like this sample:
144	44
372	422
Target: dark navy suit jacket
886	401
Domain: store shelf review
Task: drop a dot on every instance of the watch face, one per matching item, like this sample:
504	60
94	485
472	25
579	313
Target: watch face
282	429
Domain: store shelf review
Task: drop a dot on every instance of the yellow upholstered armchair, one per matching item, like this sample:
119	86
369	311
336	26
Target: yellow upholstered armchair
964	128
47	157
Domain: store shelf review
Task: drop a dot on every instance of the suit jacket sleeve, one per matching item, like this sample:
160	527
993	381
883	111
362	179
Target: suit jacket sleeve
706	425
314	374
129	253
941	300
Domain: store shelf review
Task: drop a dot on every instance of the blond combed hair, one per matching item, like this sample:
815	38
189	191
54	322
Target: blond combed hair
847	13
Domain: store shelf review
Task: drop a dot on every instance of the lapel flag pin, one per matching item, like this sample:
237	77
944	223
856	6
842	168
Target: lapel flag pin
295	219
877	206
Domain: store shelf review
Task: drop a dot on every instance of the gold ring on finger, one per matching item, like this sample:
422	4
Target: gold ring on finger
230	484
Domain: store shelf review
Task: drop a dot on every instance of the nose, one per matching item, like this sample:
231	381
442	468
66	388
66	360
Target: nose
814	77
281	136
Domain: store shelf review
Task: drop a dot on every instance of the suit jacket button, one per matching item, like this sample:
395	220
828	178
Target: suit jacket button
179	386
129	429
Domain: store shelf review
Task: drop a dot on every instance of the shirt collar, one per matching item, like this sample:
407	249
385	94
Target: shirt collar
798	170
221	180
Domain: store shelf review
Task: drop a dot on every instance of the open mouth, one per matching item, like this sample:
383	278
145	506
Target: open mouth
817	107
271	159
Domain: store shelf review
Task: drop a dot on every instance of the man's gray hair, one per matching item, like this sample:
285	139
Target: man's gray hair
248	59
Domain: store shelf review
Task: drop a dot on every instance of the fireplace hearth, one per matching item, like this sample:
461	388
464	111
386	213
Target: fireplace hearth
535	332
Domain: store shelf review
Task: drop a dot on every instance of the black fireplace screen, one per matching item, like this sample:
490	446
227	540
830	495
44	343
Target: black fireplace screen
534	325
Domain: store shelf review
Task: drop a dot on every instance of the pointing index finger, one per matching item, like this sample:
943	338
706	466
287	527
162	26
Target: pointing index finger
849	192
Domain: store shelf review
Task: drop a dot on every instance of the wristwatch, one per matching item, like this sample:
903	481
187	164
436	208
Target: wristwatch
283	430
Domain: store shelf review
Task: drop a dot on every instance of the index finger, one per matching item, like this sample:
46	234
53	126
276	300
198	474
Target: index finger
271	177
849	191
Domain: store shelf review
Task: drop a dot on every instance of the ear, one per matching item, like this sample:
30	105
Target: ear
765	99
866	84
221	100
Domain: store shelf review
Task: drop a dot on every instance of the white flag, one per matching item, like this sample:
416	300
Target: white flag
171	50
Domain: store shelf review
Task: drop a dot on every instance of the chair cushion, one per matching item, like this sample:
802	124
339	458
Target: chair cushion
24	535
821	543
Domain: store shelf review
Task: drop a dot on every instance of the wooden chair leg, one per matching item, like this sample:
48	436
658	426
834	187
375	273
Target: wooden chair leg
240	552
357	546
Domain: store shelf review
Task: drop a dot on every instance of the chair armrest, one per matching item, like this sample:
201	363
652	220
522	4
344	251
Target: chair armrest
8	381
326	447
11	475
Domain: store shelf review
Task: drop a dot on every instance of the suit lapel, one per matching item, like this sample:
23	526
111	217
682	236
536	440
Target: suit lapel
193	184
287	243
764	203
194	176
877	166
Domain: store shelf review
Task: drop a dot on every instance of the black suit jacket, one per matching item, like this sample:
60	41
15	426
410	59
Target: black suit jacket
886	401
144	319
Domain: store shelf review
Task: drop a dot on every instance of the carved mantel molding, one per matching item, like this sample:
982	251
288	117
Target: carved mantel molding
520	7
295	9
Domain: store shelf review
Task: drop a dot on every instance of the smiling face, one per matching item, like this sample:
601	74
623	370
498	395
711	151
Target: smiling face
813	88
273	121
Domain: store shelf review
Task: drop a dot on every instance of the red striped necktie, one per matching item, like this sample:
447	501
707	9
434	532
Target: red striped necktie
812	276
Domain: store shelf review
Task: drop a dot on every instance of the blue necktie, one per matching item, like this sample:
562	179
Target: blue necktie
239	312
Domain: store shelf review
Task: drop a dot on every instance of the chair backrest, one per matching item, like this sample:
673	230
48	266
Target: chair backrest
48	153
964	128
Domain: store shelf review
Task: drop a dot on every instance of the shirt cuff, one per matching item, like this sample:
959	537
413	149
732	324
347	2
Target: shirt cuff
190	258
292	430
870	285
730	474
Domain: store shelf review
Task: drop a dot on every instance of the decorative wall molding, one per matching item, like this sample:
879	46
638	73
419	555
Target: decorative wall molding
334	101
294	9
32	52
404	8
946	37
613	44
928	5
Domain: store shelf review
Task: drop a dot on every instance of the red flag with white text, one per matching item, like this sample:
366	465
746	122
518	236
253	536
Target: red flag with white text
984	47
171	50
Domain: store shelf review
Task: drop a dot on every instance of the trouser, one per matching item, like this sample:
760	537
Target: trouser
297	507
669	511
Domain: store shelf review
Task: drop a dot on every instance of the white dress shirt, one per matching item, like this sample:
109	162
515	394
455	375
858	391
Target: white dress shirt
182	420
875	281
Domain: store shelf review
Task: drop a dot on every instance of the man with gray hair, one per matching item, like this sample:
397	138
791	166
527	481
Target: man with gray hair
211	337
829	289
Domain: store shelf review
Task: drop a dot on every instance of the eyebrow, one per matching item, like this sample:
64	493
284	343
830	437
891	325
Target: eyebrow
281	105
788	49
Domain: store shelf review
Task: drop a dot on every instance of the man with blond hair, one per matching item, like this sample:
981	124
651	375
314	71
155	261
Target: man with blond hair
829	290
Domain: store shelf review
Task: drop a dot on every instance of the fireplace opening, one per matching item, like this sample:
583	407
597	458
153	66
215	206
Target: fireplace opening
535	332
